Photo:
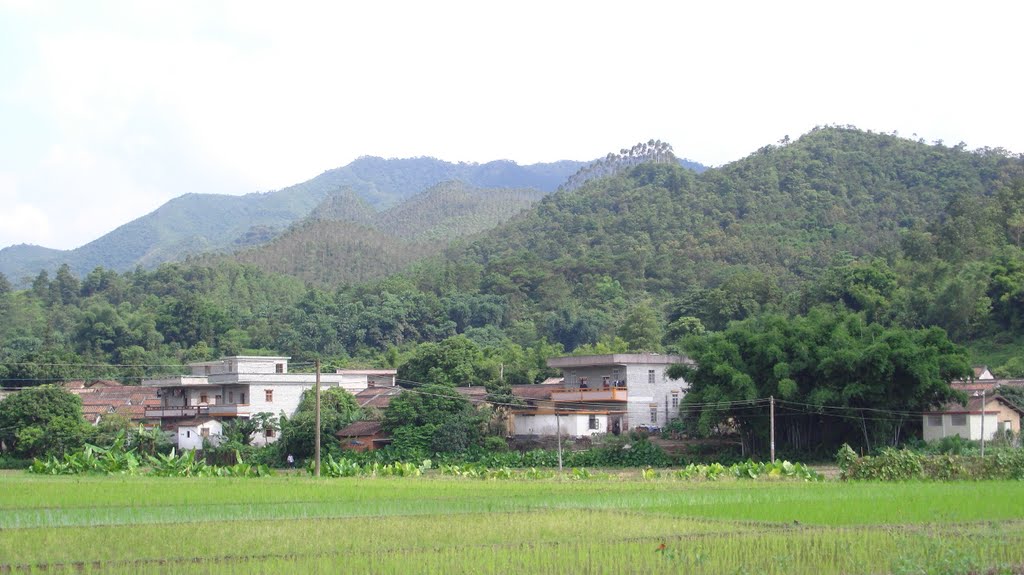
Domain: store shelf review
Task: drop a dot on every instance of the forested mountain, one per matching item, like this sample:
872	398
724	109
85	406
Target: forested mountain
345	241
196	223
902	232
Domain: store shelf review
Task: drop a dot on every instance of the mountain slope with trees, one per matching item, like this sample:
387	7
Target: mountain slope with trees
197	223
345	241
904	234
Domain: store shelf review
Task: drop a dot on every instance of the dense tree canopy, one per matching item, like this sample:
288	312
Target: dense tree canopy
433	418
837	377
42	420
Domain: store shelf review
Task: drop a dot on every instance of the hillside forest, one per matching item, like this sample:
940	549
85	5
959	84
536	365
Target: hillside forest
837	224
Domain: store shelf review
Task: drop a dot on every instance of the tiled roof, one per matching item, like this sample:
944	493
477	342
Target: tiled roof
91	385
360	429
974	405
474	393
103	397
379	397
536	391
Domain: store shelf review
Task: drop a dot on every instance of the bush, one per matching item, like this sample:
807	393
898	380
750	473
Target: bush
904	464
11	462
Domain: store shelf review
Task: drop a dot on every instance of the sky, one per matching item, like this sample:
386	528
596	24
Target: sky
110	109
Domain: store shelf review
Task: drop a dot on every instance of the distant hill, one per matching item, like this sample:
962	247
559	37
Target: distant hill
196	223
732	241
343	240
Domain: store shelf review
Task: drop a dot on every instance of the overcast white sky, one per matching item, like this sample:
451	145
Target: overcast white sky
109	109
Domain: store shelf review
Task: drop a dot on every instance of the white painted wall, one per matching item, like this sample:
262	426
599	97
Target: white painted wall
191	436
576	425
642	393
971	431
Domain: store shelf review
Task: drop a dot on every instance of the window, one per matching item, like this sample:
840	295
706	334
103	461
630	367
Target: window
269	395
675	399
650	376
593	423
279	368
958	420
204	432
203	398
206	370
231	367
242	401
188	434
654	414
218	399
935	421
231	397
269	432
572	378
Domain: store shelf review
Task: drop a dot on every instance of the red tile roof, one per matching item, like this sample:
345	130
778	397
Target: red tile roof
360	429
536	391
379	397
974	405
102	397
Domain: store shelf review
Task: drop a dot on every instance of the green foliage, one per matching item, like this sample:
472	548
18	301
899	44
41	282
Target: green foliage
905	465
44	420
830	357
432	419
908	235
454	361
338	408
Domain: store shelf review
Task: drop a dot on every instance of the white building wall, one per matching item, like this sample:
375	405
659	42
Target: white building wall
642	394
991	425
191	437
285	398
934	432
576	425
971	431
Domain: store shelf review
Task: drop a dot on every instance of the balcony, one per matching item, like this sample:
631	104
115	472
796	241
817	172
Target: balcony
600	394
222	410
172	412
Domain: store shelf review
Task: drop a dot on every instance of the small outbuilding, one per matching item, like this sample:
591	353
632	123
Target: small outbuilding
363	436
966	420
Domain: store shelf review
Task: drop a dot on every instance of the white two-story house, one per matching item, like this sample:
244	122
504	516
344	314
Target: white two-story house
602	394
194	407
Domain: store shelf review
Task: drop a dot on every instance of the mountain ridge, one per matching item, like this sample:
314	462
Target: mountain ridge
193	223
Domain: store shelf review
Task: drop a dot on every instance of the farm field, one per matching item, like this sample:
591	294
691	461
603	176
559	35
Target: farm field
296	524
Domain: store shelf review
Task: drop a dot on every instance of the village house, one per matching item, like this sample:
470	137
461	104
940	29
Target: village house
997	416
363	436
599	394
103	398
194	407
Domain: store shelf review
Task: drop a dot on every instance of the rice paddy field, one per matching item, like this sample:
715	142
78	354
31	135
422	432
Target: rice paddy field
297	524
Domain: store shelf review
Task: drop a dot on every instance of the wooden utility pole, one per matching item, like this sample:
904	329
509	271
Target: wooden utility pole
983	424
316	447
558	426
771	404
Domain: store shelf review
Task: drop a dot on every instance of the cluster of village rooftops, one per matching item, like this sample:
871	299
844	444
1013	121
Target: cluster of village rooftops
595	394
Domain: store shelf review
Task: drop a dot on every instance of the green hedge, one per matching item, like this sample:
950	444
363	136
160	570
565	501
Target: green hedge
905	464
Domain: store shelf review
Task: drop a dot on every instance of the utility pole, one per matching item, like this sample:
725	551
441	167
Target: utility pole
316	447
983	423
558	426
771	403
